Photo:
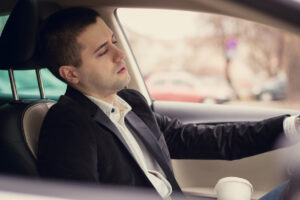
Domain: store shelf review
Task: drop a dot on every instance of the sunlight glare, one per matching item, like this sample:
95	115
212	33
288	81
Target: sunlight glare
169	25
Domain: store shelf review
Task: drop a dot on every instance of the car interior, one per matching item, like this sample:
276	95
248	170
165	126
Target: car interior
21	118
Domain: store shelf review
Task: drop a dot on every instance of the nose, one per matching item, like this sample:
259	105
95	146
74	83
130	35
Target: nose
119	55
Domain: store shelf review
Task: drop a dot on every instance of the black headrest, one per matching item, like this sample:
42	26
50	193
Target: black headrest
17	42
19	37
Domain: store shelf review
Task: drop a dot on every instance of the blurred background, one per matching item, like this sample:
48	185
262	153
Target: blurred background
197	57
209	58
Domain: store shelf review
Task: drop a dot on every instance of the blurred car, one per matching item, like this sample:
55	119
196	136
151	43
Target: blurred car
174	86
273	89
215	89
183	86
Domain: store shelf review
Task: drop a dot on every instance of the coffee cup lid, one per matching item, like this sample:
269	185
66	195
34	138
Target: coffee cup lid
234	179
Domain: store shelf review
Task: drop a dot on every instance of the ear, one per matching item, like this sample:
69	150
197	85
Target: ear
69	73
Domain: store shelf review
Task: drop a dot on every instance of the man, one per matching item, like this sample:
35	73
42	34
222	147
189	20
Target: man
100	132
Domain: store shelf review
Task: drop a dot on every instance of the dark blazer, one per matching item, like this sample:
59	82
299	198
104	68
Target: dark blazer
79	142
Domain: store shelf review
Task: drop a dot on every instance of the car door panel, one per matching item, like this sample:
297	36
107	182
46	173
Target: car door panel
198	177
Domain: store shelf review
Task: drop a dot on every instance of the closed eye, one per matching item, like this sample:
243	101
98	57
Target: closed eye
101	54
114	41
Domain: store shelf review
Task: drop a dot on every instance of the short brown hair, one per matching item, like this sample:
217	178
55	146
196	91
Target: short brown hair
58	37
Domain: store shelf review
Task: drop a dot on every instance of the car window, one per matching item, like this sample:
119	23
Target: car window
27	85
26	80
222	59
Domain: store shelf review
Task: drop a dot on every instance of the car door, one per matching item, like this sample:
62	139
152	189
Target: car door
198	177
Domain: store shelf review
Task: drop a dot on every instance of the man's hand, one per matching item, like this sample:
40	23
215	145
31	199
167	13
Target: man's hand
297	123
291	126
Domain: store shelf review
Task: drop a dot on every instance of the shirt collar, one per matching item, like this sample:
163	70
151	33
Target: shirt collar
119	105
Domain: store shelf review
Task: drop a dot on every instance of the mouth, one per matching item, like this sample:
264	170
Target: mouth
122	70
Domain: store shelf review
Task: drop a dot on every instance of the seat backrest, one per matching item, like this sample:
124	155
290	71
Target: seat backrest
32	120
21	120
16	156
20	124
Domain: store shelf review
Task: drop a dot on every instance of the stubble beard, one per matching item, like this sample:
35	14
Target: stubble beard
121	84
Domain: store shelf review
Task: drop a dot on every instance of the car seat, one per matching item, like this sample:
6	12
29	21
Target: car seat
20	120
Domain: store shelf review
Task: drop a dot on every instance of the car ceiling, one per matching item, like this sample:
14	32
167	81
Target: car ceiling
279	13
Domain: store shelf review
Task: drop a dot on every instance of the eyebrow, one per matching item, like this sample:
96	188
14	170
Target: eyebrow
103	45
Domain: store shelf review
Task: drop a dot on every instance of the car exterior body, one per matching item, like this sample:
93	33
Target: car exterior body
186	87
272	89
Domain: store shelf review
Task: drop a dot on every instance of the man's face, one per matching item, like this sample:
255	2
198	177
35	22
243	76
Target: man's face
103	71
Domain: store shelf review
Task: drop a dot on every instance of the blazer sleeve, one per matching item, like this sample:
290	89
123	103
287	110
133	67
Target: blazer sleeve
226	141
67	147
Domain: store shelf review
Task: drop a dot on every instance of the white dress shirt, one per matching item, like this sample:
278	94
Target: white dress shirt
116	113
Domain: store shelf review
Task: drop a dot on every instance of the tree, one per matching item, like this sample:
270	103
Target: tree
292	63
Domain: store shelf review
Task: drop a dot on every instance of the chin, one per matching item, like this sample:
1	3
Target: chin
121	86
128	79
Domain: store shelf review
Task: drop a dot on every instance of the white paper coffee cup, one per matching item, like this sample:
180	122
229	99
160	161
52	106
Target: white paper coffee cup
234	188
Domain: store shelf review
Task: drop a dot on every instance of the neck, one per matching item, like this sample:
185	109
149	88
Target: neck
108	98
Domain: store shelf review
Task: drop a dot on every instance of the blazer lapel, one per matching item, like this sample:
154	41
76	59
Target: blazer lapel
102	119
147	137
94	111
137	125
